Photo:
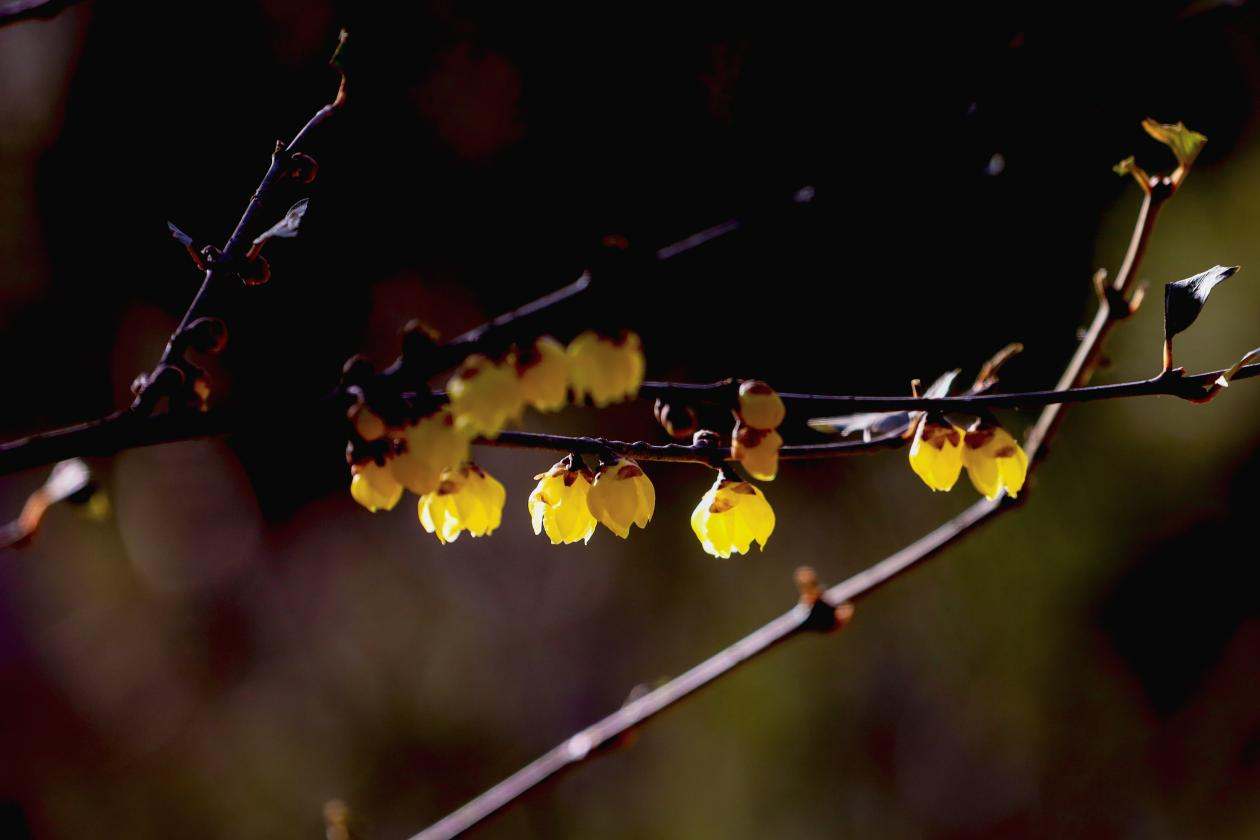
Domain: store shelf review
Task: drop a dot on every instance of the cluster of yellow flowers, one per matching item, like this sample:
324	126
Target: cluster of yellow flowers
486	395
755	442
429	456
994	460
570	500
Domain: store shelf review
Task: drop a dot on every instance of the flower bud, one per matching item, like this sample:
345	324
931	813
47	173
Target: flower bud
622	496
760	406
608	370
544	375
485	396
758	450
936	453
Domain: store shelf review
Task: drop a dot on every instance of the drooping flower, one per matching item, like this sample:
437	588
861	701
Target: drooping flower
730	516
622	496
760	406
466	499
558	503
936	453
374	486
994	460
367	423
758	450
485	395
608	370
429	446
544	375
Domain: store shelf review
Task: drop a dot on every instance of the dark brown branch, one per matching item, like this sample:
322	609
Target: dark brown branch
609	731
682	453
17	10
226	267
1175	383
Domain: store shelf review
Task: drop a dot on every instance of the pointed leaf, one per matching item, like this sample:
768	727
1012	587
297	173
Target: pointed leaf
880	423
1224	378
287	227
179	236
1184	299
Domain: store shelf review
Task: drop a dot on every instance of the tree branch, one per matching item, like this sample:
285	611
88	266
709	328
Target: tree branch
822	613
17	10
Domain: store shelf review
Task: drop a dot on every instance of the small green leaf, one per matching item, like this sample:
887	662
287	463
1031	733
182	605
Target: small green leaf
1185	144
1184	299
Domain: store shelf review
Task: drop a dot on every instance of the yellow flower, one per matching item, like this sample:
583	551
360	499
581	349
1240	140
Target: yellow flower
609	370
558	503
760	406
936	454
758	450
994	460
730	516
467	499
374	486
544	375
622	496
430	445
367	423
485	396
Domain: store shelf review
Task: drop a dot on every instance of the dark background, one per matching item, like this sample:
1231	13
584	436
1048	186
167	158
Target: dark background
237	642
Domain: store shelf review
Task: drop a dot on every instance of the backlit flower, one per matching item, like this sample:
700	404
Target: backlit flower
374	486
544	375
757	450
429	446
558	503
760	406
936	454
484	395
994	460
609	370
622	496
466	499
730	516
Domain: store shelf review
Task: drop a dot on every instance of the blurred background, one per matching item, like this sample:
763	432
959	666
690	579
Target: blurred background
237	642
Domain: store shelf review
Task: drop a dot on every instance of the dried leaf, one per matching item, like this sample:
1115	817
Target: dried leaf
66	479
1184	299
880	423
1224	379
179	236
287	227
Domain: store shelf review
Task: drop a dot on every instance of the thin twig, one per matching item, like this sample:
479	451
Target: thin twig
17	10
612	729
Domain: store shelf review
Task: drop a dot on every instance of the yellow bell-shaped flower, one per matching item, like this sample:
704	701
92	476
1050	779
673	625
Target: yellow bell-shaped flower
608	370
374	486
558	503
429	446
730	516
485	396
936	453
622	496
367	423
758	450
544	375
760	406
467	499
994	460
